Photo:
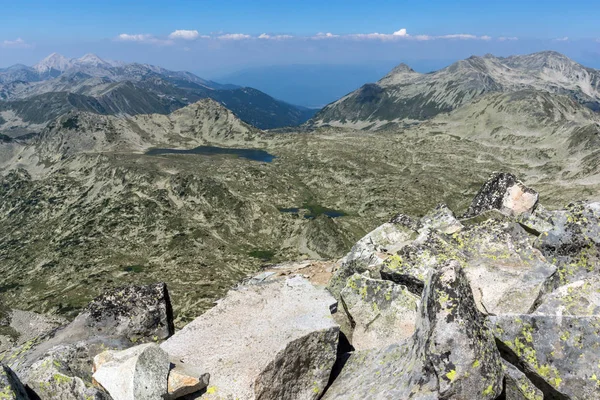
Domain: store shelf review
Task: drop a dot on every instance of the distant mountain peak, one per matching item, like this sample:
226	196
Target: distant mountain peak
53	61
91	59
402	68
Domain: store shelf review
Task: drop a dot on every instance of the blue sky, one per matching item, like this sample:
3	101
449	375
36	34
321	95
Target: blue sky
214	38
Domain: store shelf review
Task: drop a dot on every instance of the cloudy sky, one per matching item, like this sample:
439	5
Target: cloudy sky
214	38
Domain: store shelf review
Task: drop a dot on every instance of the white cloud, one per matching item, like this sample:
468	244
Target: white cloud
562	39
18	43
184	34
506	39
125	37
234	36
274	37
327	35
401	32
143	38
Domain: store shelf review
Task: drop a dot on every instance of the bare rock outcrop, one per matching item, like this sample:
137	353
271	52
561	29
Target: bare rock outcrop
275	340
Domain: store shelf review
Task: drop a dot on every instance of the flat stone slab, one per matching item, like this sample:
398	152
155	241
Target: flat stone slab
275	340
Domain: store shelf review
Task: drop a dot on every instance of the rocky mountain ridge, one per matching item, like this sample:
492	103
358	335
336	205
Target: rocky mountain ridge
30	97
406	97
501	303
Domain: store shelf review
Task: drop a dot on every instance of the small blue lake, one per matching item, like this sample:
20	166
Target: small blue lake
250	154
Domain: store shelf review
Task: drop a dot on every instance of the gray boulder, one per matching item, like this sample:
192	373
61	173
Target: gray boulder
139	313
573	242
11	387
138	373
507	274
559	354
452	354
580	298
518	387
503	192
54	377
370	252
382	312
441	219
116	320
275	340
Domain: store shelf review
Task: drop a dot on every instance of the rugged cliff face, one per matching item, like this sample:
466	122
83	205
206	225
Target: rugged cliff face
500	303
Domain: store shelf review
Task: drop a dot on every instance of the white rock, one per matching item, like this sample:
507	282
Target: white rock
275	340
138	373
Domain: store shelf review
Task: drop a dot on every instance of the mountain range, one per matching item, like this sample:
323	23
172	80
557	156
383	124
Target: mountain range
30	97
406	97
85	203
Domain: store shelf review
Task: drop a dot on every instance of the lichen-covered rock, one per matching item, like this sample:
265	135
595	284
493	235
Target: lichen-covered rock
507	274
452	354
113	321
275	340
141	313
137	373
503	192
441	219
412	264
518	387
382	312
51	378
580	298
573	243
11	387
370	252
559	354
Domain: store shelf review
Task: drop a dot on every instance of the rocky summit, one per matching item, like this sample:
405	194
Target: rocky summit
499	303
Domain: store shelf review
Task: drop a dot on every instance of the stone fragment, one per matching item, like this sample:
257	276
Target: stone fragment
182	381
382	312
518	387
559	354
138	373
276	340
452	354
503	192
11	387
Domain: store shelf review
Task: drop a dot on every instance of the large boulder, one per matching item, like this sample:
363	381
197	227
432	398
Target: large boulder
382	312
452	354
138	373
370	252
559	354
507	274
139	313
573	242
116	320
275	340
580	298
54	377
503	192
11	387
